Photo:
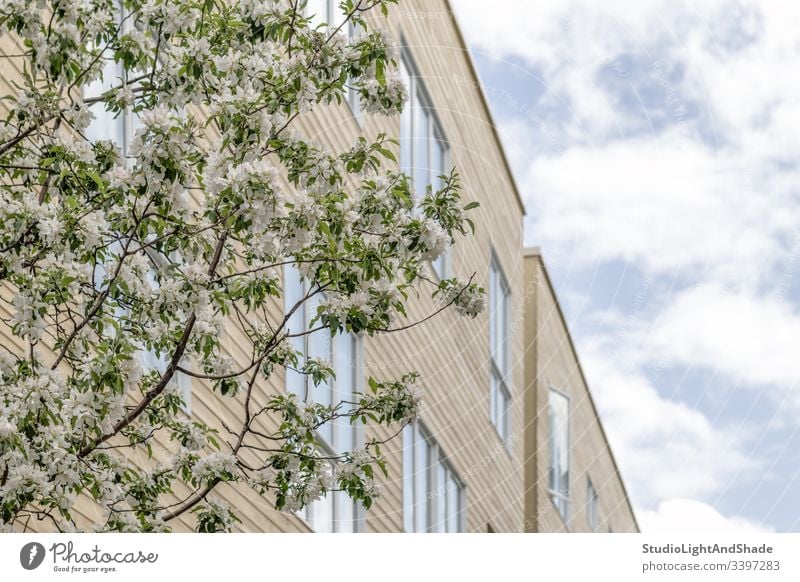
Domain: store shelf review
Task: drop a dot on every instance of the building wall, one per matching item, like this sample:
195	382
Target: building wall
450	352
549	345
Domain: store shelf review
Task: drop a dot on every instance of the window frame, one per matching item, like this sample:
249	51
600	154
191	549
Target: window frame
160	363
561	501
437	517
102	116
434	135
592	502
499	372
105	84
334	17
330	445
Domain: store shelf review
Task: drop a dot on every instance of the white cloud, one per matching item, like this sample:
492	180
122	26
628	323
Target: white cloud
665	449
737	54
668	205
689	515
714	193
752	339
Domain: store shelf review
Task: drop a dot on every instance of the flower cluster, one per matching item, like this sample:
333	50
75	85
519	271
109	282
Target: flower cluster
215	516
130	256
216	466
469	299
394	401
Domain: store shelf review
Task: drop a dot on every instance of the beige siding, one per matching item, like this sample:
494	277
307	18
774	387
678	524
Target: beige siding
450	352
557	366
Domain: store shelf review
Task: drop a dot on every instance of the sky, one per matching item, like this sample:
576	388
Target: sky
656	146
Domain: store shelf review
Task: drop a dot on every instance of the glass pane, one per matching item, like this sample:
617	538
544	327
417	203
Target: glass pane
591	502
502	323
344	368
317	11
502	411
558	413
421	467
319	346
105	125
408	478
421	169
293	294
439	266
344	512
437	163
337	16
492	309
493	398
440	498
406	127
452	504
322	515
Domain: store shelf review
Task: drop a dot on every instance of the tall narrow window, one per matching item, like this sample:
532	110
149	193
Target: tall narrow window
499	394
119	129
335	512
433	495
159	362
558	474
591	505
423	149
107	125
328	12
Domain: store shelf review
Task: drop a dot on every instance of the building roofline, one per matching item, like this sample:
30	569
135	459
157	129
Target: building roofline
485	102
536	252
533	252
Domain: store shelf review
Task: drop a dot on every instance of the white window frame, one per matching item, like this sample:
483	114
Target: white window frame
324	515
149	358
499	351
560	498
434	496
332	18
592	502
434	136
112	74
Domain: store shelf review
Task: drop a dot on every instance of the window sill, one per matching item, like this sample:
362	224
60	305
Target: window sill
505	441
564	520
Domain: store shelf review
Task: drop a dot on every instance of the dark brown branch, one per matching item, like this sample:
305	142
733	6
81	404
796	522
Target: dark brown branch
168	373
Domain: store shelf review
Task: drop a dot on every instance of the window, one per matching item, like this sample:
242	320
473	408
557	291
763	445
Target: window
335	512
591	505
119	128
558	474
433	496
108	125
423	149
151	360
148	358
499	394
328	12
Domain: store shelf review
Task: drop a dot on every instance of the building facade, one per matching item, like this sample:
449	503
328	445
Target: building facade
572	480
477	458
459	467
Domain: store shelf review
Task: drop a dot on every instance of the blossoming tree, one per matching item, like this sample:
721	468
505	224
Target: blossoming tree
107	253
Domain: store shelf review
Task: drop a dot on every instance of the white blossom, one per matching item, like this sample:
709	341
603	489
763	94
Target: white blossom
214	466
177	238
